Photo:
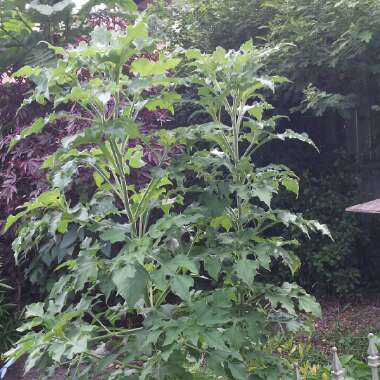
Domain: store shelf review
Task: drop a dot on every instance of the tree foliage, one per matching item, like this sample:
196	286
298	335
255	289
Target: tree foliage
331	45
26	27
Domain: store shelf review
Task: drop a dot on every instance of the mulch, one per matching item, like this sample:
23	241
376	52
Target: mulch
353	316
356	318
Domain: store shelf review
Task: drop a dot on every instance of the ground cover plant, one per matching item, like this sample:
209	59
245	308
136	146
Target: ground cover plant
161	278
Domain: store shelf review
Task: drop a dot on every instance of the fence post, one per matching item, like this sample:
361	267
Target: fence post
338	371
373	357
297	370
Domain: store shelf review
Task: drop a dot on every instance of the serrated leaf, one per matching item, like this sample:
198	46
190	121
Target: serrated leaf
165	101
130	283
36	127
135	160
246	270
266	82
182	261
27	71
180	285
238	371
291	184
62	178
47	199
289	134
310	305
222	221
215	340
213	266
35	310
57	350
264	193
145	67
116	233
86	269
99	180
292	260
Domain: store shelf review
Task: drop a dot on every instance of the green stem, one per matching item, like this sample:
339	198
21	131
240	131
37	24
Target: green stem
119	164
99	321
104	176
116	334
236	115
252	148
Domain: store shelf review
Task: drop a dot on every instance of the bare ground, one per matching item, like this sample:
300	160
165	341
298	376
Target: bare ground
356	318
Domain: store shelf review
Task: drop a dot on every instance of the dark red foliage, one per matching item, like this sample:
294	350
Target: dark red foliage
21	177
103	18
12	93
152	120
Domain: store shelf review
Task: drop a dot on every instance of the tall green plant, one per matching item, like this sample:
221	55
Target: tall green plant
162	281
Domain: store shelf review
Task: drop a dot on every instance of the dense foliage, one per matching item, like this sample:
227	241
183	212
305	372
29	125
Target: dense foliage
21	175
162	278
332	266
22	28
330	56
144	194
207	25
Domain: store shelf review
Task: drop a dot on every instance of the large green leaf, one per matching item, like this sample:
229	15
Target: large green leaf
130	281
86	269
145	67
247	270
47	199
115	232
180	285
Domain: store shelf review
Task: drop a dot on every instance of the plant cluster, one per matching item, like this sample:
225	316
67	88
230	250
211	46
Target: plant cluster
331	45
310	354
21	175
161	278
26	26
330	57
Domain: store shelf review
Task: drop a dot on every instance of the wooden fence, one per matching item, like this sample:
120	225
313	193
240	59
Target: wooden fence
339	373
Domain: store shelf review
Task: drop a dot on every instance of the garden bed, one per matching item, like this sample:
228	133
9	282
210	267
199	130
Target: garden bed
345	325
